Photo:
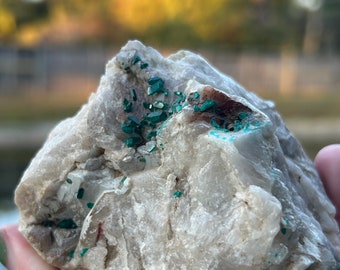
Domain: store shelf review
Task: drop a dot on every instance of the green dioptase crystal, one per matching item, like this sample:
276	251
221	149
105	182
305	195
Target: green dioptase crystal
80	193
156	117
136	60
208	104
148	123
161	105
132	125
147	105
132	141
196	108
194	97
215	124
90	205
71	254
165	91
155	88
152	148
142	159
181	97
67	224
83	252
144	65
162	146
122	180
151	134
127	128
243	115
133	94
134	120
237	125
177	194
177	108
127	105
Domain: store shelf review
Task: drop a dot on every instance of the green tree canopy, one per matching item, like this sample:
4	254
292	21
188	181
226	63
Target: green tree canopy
234	24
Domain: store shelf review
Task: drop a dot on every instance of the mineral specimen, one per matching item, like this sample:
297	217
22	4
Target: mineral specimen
173	165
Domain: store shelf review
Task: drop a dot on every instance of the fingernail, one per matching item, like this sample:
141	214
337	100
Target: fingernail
3	250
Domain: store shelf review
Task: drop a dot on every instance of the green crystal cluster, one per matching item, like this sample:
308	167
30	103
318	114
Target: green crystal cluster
142	128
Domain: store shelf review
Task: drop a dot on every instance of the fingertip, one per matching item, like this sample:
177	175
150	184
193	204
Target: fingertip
20	254
327	155
327	162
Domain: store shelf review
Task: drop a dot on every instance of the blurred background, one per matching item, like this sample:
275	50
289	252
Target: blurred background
53	52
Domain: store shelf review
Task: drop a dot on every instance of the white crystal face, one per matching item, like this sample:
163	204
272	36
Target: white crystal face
173	165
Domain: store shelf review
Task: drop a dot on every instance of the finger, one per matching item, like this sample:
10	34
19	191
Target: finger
20	255
327	162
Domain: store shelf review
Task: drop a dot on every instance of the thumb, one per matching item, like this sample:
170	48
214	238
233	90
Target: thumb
327	162
16	253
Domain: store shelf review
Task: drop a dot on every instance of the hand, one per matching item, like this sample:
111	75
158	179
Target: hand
327	162
20	255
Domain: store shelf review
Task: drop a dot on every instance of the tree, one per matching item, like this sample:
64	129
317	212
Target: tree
7	23
233	24
331	21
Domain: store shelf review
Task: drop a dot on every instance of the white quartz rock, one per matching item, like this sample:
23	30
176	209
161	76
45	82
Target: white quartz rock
173	165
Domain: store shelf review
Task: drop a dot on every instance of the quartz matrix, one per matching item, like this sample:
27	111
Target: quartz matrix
173	165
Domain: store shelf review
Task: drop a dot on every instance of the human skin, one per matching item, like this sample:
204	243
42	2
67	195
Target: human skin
327	162
20	255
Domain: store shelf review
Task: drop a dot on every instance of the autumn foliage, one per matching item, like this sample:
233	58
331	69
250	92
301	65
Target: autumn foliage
233	24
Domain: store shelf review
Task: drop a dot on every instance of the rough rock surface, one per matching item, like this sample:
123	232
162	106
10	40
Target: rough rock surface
173	165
